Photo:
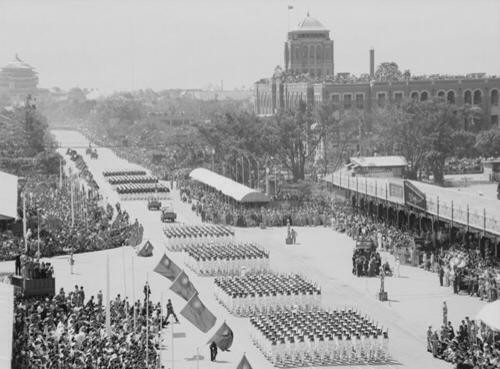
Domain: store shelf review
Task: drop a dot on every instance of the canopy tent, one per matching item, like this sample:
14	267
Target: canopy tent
228	187
490	315
8	196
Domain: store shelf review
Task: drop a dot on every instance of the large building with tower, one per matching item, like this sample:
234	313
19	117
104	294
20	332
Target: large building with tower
308	76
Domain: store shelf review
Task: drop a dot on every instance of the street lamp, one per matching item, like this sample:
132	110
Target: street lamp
213	159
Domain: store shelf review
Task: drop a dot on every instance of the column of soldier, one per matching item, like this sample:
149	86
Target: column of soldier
210	250
135	184
289	325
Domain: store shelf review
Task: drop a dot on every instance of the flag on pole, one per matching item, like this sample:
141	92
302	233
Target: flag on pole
167	268
290	7
244	364
223	338
198	314
183	286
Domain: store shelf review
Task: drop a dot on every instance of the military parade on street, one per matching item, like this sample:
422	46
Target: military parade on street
338	211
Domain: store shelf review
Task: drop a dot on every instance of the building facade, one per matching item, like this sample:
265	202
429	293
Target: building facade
285	91
309	49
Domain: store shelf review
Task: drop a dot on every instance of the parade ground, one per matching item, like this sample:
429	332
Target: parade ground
321	254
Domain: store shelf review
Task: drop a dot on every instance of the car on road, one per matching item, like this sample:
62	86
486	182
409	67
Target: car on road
154	204
168	214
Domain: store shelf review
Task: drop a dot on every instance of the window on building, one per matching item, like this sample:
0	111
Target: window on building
414	95
478	97
468	97
347	101
424	96
381	99
360	101
398	97
451	97
494	97
335	98
494	121
441	94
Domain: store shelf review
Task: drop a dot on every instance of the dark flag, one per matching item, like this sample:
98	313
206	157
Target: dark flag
146	249
167	268
198	314
183	286
244	364
223	338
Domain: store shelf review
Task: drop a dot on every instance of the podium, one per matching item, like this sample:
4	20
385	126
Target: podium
34	287
382	296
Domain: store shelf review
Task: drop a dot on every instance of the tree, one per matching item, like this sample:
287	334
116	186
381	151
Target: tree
423	132
388	71
296	138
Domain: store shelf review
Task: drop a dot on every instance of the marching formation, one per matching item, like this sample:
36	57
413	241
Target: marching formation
291	338
135	185
180	236
229	259
260	293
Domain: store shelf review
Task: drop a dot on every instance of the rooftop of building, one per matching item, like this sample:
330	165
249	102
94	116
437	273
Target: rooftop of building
18	64
379	161
310	24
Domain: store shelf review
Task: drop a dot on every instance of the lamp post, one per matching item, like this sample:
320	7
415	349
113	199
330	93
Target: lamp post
267	180
213	159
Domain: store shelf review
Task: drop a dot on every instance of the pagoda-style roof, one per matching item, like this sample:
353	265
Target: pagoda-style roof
17	63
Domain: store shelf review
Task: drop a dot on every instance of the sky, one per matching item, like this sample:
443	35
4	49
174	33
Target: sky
115	45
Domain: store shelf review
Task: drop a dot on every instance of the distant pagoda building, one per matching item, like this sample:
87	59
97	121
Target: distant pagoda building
18	79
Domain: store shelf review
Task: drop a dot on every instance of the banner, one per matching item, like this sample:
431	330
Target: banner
395	190
167	268
223	338
244	364
414	197
183	286
198	314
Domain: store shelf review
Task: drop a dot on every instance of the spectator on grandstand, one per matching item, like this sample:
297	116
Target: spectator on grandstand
472	346
63	332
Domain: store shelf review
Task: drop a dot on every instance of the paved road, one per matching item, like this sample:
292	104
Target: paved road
322	255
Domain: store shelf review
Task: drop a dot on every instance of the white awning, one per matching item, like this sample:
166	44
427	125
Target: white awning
8	196
228	187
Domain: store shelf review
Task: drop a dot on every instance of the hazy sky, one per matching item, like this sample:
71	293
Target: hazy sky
132	44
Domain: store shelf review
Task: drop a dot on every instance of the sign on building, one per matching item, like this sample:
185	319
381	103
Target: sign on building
414	197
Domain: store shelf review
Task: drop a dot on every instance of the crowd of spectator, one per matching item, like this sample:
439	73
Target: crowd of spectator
456	165
49	222
212	207
467	270
32	268
472	346
68	332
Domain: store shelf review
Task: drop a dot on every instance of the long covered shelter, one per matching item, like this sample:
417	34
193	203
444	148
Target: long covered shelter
8	196
232	189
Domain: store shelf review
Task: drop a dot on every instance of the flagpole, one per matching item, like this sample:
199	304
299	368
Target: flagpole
72	206
38	230
172	325
60	173
108	307
133	291
124	274
24	223
197	358
147	320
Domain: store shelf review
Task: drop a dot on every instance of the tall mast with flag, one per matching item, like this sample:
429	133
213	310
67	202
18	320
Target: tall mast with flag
290	7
